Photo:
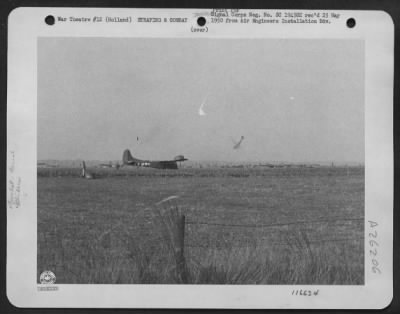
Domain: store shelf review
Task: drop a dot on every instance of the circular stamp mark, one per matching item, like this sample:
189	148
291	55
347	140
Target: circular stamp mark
47	277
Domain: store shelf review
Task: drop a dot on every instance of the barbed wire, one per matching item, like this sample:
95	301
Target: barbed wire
278	243
271	225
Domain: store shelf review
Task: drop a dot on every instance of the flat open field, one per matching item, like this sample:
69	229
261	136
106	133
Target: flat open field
242	226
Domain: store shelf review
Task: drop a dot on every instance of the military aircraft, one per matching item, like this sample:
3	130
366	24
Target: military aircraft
237	144
129	160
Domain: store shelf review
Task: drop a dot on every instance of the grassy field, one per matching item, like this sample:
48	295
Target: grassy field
247	225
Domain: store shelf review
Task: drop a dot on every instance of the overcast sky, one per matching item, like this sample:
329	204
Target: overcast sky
292	100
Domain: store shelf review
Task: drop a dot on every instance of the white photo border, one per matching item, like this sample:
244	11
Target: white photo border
26	25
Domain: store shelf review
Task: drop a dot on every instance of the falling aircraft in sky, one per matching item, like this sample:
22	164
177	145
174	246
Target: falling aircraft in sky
237	144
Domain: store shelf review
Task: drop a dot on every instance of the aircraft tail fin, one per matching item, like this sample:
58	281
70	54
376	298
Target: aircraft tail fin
127	157
83	174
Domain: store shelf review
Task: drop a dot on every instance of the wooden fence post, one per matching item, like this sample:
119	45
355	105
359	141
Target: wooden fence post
181	267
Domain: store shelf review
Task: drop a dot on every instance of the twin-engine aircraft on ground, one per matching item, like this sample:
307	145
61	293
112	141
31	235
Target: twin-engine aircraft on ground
129	160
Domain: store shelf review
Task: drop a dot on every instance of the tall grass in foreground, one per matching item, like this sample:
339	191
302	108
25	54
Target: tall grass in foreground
116	256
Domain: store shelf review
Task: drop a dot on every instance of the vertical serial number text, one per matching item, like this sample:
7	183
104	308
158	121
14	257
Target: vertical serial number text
373	246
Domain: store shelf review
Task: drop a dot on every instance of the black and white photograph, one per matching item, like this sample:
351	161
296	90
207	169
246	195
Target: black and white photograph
219	158
201	161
